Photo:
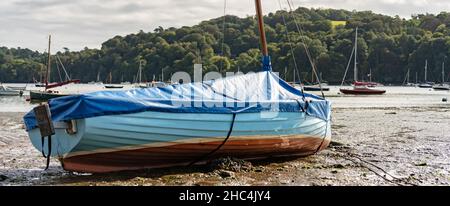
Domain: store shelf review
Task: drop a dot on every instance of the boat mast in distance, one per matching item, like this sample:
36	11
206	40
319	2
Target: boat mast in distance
47	73
426	84
356	55
426	70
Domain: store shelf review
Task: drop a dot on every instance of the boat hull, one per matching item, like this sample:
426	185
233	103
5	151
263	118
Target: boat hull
9	93
183	154
426	85
315	88
363	91
113	87
441	87
18	88
43	96
157	140
368	84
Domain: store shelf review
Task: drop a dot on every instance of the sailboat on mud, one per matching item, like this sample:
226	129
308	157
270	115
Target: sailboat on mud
360	88
251	116
318	86
48	94
426	84
110	85
406	82
442	85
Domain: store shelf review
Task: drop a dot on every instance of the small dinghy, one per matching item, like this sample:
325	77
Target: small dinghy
6	91
251	116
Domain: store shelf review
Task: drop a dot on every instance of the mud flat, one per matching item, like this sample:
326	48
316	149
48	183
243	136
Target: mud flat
373	146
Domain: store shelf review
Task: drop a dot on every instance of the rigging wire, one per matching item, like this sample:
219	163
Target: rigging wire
302	37
348	66
292	50
63	67
223	33
59	71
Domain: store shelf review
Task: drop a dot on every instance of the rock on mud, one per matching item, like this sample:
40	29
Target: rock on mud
3	178
230	164
226	174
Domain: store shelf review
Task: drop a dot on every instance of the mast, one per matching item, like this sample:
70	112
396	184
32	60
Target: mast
407	77
416	78
294	76
426	69
285	73
266	59
443	73
140	71
356	55
47	73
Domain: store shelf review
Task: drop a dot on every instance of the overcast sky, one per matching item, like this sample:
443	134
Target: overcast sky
81	23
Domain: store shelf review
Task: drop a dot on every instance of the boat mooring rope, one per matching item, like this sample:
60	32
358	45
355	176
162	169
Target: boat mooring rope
220	146
49	150
395	180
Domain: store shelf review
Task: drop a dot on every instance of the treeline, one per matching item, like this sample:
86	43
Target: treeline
388	46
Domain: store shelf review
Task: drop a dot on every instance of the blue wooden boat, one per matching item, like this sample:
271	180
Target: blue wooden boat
252	116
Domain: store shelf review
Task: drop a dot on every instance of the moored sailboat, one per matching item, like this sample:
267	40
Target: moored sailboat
442	85
110	85
406	82
251	116
360	88
426	84
47	94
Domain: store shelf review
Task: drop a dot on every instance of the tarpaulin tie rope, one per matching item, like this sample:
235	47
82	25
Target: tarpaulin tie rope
304	109
221	145
49	150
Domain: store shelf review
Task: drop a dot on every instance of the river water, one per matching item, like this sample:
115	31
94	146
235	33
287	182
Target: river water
394	97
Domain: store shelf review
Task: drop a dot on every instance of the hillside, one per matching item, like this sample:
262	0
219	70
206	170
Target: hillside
387	45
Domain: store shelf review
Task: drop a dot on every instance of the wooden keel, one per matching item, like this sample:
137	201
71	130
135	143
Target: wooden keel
185	153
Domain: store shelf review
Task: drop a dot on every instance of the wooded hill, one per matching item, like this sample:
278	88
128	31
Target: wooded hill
387	45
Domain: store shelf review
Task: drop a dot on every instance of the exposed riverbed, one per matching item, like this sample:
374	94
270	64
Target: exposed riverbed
373	146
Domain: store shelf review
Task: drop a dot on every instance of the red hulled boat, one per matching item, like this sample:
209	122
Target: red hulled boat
357	90
360	88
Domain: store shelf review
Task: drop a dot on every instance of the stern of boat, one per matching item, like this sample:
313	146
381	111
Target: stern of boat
67	137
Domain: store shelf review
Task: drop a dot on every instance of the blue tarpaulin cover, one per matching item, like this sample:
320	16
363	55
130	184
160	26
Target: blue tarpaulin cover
253	92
